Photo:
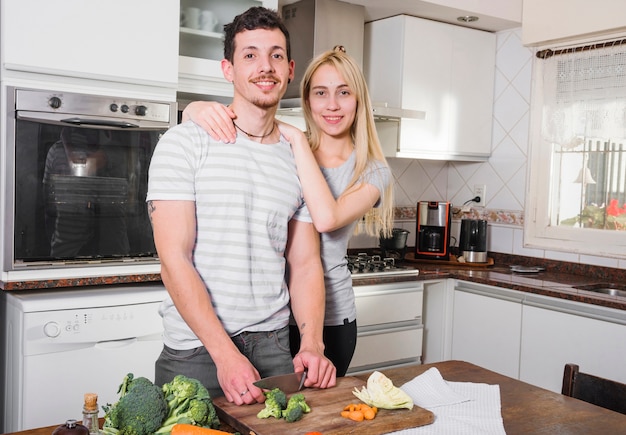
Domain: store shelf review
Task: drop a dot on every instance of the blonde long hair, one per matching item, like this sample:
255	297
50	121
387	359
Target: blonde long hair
378	220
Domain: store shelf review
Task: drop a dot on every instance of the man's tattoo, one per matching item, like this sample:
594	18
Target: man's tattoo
151	208
302	329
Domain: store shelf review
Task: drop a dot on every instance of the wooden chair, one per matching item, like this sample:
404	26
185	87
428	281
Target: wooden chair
598	391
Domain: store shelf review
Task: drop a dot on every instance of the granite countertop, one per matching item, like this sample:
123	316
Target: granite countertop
558	280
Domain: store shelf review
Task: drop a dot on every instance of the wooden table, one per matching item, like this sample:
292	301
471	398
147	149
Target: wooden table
526	409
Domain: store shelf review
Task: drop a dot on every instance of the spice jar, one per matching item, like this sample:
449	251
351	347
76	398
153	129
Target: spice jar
71	427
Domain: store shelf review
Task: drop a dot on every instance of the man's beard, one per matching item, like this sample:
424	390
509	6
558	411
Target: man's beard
266	101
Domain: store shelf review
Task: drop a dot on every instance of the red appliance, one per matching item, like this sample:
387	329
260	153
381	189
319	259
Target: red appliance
432	240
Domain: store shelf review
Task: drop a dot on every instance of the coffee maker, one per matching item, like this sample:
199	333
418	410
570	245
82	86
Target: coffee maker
432	240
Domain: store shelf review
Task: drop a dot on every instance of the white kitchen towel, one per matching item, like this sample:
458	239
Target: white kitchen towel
430	390
478	415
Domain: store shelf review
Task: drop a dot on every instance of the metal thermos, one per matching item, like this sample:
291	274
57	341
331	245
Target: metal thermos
473	240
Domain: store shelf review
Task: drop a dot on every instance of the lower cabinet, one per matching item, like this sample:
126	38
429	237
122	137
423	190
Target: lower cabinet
438	299
389	326
531	337
522	335
556	332
486	327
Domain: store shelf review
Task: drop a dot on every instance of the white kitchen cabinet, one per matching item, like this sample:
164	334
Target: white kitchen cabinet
201	51
438	302
389	325
445	70
562	20
556	332
114	40
486	327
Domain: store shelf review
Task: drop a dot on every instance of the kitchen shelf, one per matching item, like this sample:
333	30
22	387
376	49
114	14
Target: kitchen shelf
202	33
200	52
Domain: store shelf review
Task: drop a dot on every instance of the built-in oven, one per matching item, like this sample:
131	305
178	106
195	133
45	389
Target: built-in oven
75	177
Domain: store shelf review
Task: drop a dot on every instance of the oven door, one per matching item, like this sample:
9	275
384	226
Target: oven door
77	174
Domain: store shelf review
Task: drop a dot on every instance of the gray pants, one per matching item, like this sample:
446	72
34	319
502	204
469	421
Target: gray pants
267	351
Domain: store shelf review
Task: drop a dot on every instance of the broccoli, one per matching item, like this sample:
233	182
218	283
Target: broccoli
275	402
140	409
182	388
188	402
296	408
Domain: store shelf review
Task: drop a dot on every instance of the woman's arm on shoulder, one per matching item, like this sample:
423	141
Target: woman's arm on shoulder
327	212
214	117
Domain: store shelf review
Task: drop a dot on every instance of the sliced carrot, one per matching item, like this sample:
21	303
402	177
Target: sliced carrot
356	415
190	429
359	411
369	414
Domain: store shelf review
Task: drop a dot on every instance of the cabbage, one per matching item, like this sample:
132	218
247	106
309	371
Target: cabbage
381	393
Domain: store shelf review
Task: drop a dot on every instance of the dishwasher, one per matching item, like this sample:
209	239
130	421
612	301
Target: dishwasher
60	344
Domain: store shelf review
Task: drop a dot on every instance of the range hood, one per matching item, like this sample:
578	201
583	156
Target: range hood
318	25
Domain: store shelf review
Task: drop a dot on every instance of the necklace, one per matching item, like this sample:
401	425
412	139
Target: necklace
253	135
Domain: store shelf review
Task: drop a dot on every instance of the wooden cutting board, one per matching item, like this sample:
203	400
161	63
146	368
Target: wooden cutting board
453	261
324	417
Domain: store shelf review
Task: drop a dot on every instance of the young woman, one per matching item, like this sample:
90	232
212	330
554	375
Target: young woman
344	174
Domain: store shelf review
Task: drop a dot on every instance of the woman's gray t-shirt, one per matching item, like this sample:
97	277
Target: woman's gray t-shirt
334	245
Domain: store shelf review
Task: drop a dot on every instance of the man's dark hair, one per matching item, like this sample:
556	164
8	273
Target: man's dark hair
256	17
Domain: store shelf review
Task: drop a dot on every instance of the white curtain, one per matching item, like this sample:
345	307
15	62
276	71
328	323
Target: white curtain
584	95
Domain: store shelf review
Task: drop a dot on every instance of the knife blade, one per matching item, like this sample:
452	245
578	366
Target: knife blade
289	383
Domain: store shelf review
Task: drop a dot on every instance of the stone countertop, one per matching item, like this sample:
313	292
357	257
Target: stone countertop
49	284
558	280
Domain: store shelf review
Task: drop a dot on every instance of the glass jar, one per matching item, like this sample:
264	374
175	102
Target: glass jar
90	413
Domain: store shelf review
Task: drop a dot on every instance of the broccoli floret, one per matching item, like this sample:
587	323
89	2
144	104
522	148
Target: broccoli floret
140	409
188	402
296	408
275	402
182	388
292	414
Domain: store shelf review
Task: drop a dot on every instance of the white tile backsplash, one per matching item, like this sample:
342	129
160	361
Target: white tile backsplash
518	246
500	238
599	261
562	256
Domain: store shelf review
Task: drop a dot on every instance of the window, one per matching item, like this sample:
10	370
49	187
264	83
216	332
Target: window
577	185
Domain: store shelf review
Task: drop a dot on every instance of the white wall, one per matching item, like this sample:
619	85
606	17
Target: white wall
576	19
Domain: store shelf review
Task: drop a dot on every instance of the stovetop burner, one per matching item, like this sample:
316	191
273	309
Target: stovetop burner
364	264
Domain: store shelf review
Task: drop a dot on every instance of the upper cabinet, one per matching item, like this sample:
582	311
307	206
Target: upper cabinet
201	42
445	70
562	20
117	40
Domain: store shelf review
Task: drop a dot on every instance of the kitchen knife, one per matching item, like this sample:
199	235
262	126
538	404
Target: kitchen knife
287	383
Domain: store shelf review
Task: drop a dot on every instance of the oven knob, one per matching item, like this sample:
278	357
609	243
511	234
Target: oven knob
54	102
140	110
113	107
51	329
124	108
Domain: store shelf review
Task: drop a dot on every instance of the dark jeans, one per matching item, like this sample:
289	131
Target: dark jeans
267	351
339	344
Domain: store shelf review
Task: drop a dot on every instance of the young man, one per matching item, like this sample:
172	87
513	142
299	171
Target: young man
230	225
